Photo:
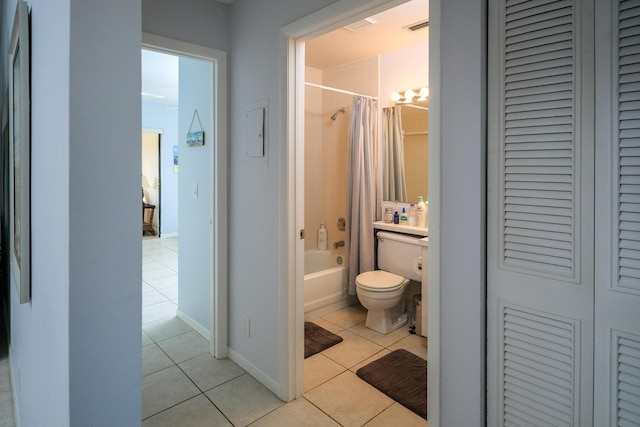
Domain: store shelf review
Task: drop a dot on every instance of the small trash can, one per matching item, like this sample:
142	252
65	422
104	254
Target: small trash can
417	313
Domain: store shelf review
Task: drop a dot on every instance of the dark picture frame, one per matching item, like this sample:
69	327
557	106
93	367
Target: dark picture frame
20	152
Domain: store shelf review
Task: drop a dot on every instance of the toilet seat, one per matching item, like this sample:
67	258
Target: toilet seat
379	281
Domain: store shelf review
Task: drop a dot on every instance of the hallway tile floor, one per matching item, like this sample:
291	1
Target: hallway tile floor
183	385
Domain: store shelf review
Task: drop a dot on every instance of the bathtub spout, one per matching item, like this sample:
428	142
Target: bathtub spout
338	244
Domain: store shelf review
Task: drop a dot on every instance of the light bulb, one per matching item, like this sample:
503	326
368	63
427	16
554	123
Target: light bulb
409	94
424	93
395	97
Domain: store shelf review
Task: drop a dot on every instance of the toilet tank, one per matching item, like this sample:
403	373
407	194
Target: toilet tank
399	254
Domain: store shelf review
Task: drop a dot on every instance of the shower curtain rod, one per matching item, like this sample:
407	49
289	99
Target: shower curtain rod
347	92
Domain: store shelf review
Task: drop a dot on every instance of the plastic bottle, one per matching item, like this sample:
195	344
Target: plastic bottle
396	218
322	237
404	219
421	213
412	215
426	211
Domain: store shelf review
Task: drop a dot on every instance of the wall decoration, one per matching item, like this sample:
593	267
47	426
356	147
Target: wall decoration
195	137
20	152
175	159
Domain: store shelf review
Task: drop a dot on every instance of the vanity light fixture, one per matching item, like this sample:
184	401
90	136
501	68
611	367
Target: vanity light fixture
410	95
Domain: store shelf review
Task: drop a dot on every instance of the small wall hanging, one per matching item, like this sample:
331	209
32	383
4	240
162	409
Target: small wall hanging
195	137
175	159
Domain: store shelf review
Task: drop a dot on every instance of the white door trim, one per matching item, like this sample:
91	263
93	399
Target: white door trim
293	37
218	238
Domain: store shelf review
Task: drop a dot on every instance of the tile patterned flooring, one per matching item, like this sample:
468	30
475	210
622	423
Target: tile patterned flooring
183	385
6	393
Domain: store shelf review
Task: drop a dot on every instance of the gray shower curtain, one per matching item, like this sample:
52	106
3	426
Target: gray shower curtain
394	183
364	188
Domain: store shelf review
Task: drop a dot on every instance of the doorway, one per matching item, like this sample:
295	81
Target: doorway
151	187
299	33
202	187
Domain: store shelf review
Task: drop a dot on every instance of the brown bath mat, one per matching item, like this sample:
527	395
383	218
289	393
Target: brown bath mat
402	376
317	339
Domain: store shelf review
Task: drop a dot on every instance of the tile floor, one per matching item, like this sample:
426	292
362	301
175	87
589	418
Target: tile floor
184	386
6	393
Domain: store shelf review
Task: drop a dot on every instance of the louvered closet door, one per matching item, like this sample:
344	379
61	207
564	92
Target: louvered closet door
617	355
540	256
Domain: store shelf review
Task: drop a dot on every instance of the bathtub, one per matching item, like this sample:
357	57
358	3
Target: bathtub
325	283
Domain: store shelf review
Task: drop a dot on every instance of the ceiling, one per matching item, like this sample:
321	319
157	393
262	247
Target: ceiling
342	46
159	78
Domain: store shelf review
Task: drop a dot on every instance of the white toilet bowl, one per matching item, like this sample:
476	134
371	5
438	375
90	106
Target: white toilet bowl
381	293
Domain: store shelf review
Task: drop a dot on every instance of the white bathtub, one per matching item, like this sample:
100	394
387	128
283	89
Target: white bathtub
325	283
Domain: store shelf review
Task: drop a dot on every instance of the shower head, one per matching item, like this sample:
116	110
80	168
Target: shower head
340	111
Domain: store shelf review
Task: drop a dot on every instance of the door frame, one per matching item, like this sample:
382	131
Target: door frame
293	38
218	237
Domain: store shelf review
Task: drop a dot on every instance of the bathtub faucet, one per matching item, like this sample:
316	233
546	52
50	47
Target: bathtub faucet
338	244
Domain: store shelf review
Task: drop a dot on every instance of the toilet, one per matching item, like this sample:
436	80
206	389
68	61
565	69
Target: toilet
381	291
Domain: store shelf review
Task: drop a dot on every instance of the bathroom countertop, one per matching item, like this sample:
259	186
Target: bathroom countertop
406	229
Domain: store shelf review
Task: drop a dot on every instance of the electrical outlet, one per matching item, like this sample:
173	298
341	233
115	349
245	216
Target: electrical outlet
247	326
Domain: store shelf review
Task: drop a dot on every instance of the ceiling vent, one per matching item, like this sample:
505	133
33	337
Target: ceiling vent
359	25
418	25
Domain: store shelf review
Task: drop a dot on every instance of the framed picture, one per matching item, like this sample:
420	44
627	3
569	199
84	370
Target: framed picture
20	152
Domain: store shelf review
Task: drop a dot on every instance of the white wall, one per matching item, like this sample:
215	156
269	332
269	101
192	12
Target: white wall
155	116
403	69
75	348
195	258
457	150
85	307
202	22
104	265
40	341
257	200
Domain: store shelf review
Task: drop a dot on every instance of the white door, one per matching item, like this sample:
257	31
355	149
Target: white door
617	298
540	256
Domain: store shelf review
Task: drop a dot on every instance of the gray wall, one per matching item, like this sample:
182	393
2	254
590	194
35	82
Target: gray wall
257	200
75	348
457	121
202	22
104	270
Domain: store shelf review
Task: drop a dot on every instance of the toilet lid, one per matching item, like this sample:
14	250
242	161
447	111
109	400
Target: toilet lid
379	280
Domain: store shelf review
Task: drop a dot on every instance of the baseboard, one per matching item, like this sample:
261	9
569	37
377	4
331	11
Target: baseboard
256	373
168	235
195	325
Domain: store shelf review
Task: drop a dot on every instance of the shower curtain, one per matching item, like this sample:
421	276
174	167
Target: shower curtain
394	184
364	188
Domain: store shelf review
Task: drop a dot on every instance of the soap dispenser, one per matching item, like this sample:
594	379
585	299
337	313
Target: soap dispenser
322	237
404	219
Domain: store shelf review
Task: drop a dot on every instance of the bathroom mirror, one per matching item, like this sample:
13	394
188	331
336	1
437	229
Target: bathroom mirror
405	140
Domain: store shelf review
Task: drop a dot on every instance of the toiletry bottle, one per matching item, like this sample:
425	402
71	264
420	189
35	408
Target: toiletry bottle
412	215
396	218
388	215
421	213
404	219
322	237
426	211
